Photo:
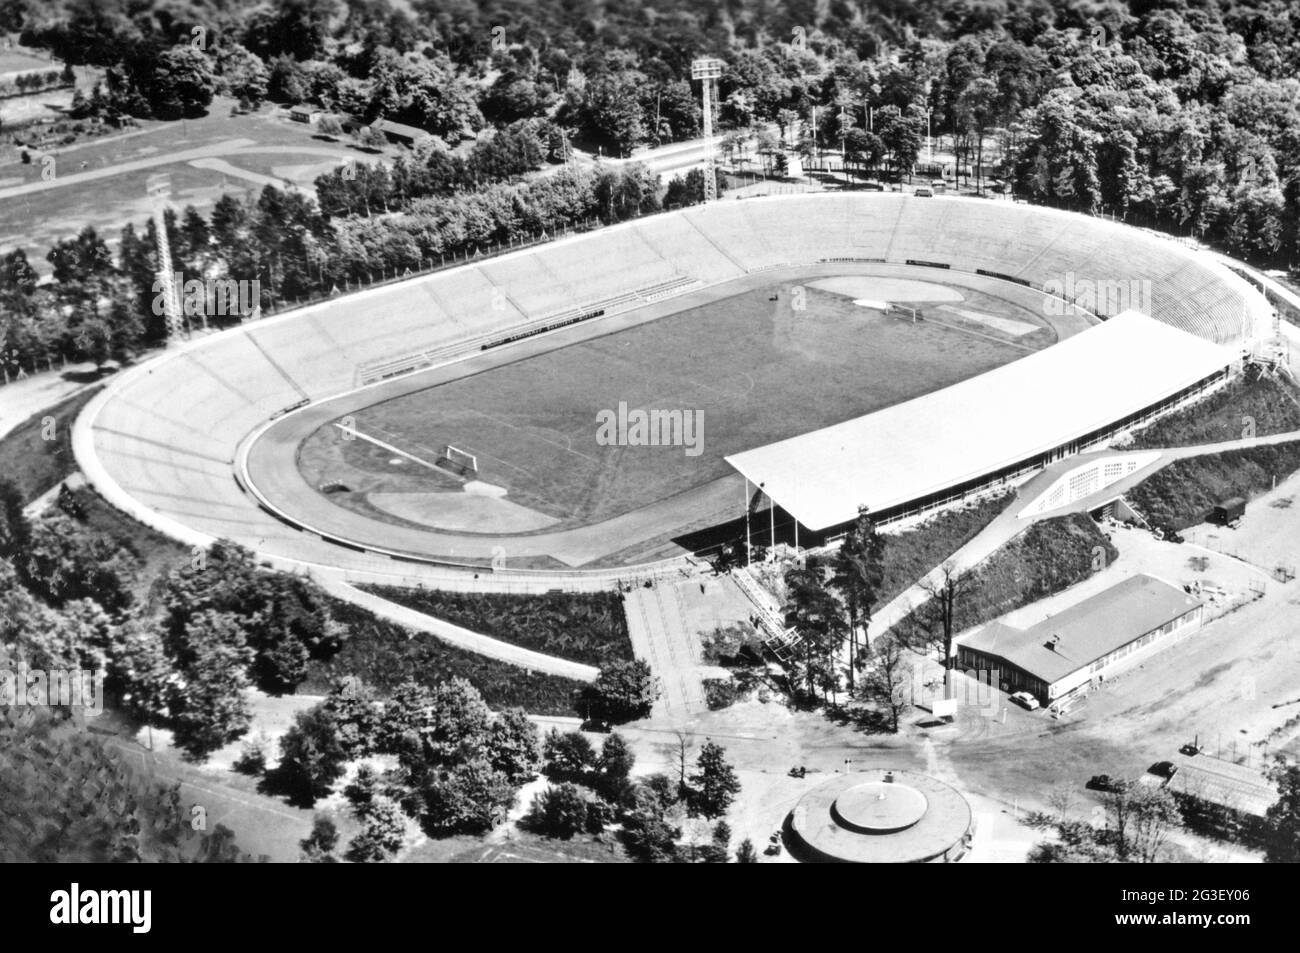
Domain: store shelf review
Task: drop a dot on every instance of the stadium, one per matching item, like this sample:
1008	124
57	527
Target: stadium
446	428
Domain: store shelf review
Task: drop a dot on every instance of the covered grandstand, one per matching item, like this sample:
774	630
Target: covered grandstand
912	457
162	440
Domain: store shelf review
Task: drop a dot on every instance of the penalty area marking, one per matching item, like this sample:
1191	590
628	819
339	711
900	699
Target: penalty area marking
532	433
389	447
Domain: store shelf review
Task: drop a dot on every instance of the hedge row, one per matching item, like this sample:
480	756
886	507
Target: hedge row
385	654
1262	406
1184	493
1048	557
582	627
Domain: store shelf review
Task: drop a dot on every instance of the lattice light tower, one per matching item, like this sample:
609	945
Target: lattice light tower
708	71
158	188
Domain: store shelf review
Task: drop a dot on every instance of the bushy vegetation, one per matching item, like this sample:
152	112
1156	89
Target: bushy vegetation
37	454
910	555
1182	119
583	627
1249	406
385	655
1139	822
1048	557
720	693
623	691
25	84
829	598
70	798
592	791
459	765
1183	493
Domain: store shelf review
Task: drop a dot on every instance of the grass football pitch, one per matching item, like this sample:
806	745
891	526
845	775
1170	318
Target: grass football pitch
753	369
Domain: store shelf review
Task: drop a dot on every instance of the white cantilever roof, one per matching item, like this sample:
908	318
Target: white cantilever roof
974	428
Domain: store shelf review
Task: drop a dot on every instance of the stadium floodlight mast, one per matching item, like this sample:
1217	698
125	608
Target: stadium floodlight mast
708	70
158	188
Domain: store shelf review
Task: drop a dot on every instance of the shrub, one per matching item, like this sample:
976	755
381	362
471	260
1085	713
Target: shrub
1184	493
720	693
1048	557
384	655
1269	403
559	811
583	627
252	757
624	691
568	757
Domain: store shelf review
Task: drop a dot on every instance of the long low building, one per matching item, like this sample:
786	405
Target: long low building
923	453
1079	647
1237	787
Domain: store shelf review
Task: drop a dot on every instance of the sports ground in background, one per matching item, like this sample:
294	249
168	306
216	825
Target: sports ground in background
101	181
765	364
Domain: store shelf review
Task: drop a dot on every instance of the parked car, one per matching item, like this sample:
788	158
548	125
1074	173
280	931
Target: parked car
924	193
1163	769
1191	749
1104	782
1025	700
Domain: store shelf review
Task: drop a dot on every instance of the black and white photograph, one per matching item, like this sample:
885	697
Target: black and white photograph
651	432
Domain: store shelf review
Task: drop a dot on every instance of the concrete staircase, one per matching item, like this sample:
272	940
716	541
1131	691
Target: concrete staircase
656	622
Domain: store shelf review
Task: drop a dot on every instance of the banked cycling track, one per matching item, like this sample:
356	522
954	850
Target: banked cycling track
168	441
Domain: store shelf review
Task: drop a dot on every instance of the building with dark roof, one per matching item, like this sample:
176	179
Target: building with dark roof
1080	647
395	132
400	133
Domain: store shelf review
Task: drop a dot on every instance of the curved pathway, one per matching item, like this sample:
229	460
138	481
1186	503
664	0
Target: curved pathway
459	637
1014	520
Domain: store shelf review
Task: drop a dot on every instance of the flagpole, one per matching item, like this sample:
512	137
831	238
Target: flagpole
749	552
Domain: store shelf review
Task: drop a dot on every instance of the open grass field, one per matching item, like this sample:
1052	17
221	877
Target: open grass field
763	365
17	60
37	454
298	153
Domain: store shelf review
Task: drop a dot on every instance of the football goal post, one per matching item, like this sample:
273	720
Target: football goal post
458	461
903	311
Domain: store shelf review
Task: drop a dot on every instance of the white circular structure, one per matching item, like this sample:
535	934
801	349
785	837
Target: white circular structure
881	817
879	807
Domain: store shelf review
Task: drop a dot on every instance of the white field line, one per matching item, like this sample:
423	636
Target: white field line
389	447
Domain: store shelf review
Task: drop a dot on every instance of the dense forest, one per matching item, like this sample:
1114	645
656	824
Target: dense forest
1176	115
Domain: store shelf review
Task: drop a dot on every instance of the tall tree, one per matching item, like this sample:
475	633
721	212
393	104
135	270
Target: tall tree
311	756
207	704
1283	818
944	590
819	618
714	784
858	572
623	691
886	680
